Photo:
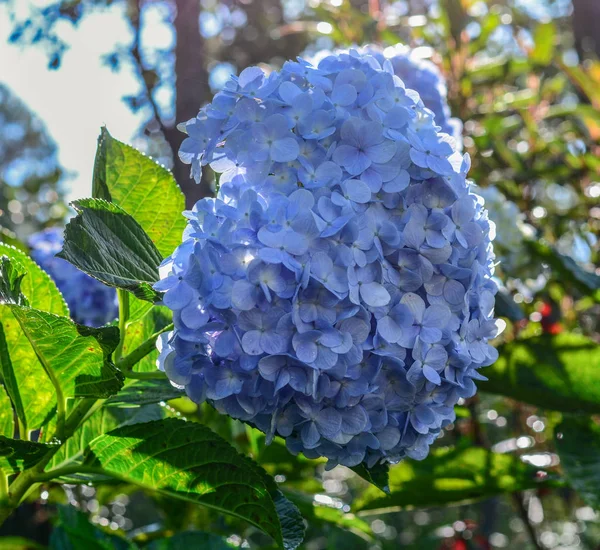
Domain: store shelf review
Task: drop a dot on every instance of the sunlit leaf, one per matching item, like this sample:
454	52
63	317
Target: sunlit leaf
25	380
188	461
450	475
559	372
544	36
142	188
7	423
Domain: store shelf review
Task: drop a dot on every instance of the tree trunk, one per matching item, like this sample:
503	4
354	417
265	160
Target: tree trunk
191	90
586	19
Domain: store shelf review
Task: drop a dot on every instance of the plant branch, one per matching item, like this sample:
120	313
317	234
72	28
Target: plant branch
126	363
123	318
28	478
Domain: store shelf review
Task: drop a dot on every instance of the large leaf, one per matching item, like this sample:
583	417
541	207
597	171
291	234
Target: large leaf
450	475
559	372
144	392
110	245
75	532
19	543
188	461
142	188
76	358
26	382
7	422
101	422
578	444
17	455
188	540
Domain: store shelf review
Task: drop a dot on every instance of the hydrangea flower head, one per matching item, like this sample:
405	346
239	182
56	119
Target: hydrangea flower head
90	302
337	292
419	74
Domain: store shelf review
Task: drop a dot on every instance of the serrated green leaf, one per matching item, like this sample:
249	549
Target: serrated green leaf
188	540
7	421
107	243
76	357
451	475
11	275
578	444
144	392
17	455
559	372
102	421
28	386
75	532
378	475
188	461
142	188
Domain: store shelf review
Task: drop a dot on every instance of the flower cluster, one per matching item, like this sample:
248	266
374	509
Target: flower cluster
418	74
90	302
338	290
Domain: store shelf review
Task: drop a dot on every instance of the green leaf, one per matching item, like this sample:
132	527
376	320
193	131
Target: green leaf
107	243
378	475
101	422
141	187
191	540
137	332
11	276
36	285
578	445
567	269
19	543
28	386
17	455
451	475
544	36
144	392
74	532
7	421
188	461
559	372
76	358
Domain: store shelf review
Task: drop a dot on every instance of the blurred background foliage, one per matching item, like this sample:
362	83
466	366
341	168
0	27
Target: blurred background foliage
524	77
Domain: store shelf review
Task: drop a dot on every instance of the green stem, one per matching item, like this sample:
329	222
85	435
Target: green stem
26	479
123	318
127	363
3	487
67	471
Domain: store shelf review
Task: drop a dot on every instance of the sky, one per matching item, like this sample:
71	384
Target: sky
80	97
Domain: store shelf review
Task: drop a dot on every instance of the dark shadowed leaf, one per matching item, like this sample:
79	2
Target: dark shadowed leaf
188	540
378	475
450	475
75	532
107	243
188	461
16	454
578	444
142	188
143	392
559	372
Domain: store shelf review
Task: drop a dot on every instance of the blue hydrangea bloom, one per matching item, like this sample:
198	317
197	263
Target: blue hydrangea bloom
338	290
90	302
424	77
